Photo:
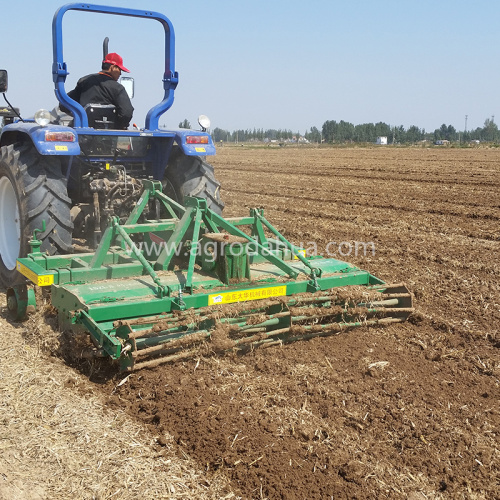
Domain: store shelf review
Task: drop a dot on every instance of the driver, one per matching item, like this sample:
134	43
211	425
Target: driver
103	88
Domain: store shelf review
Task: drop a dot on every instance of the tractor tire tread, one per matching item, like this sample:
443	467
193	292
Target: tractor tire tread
193	176
42	196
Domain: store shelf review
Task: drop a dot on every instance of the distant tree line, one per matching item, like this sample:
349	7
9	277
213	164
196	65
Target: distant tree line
341	132
219	134
345	132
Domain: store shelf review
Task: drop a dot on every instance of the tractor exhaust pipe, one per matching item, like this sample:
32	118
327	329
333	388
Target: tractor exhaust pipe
105	44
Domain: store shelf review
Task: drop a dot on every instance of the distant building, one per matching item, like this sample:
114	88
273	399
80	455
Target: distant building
382	140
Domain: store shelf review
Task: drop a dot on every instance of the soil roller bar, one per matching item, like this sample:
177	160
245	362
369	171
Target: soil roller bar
166	339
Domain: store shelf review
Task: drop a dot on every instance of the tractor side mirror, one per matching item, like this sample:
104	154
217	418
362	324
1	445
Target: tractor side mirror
3	81
128	83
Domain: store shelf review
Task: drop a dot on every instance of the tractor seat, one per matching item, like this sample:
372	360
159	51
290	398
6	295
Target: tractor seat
101	115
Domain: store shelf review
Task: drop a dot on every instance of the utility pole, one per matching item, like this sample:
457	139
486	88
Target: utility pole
466	122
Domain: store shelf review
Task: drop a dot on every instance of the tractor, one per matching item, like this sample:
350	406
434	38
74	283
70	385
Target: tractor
75	177
125	228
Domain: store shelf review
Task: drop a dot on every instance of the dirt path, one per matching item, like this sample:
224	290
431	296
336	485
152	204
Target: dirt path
409	411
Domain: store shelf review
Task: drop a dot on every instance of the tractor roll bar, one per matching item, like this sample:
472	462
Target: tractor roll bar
60	72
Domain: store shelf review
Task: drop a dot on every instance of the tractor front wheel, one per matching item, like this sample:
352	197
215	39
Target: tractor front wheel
32	190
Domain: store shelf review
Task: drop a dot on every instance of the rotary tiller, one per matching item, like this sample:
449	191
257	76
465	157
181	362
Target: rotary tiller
156	291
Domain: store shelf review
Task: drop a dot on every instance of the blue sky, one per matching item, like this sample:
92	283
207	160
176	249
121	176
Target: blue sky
276	63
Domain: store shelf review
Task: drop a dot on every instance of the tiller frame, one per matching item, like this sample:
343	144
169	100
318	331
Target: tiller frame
196	276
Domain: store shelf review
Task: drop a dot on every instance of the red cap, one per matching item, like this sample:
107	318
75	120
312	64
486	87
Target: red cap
117	60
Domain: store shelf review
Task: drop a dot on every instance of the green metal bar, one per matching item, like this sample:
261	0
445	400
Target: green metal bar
168	201
110	344
355	277
257	229
289	245
36	273
169	209
141	204
134	307
261	250
167	253
138	254
102	249
209	224
193	250
155	188
240	221
150	227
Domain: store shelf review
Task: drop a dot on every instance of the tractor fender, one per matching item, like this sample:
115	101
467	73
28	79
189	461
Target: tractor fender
29	130
190	146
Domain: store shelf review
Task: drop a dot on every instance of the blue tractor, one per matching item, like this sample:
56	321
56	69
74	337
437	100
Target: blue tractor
63	177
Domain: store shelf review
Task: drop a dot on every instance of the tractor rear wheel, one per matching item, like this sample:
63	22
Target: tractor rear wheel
192	176
32	190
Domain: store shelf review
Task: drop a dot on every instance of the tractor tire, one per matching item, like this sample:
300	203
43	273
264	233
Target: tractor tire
32	190
192	176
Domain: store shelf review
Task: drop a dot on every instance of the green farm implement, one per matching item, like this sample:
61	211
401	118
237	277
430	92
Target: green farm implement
125	226
161	290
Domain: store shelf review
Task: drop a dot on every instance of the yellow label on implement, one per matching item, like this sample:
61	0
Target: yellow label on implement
200	150
243	295
61	148
302	252
40	280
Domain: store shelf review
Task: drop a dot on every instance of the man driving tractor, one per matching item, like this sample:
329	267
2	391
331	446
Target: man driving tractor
103	89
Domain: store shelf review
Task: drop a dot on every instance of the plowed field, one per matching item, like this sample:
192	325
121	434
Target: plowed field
407	411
